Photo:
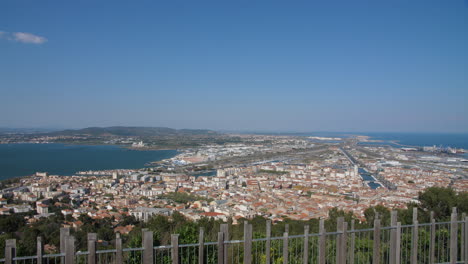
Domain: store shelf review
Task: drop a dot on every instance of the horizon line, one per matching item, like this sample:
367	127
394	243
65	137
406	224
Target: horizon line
270	131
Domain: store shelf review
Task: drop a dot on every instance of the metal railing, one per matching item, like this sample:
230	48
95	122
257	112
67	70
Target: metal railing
434	242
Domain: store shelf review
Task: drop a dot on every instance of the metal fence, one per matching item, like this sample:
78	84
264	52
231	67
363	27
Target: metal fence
434	242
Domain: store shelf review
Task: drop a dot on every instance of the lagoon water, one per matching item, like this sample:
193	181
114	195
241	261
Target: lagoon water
25	159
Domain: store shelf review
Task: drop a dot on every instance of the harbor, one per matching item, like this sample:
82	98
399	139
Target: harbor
367	177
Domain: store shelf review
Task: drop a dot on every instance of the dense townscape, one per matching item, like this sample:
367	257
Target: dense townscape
279	177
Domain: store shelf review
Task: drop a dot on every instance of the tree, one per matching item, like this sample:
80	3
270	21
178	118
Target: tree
86	219
129	220
161	227
384	215
188	233
3	238
333	214
440	200
11	223
105	233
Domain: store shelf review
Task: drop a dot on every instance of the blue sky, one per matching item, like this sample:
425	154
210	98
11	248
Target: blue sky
239	65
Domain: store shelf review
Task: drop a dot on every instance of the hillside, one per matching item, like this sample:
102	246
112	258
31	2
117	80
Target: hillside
124	131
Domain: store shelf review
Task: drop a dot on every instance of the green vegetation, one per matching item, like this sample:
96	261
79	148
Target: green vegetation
273	172
130	131
8	182
109	195
183	197
439	200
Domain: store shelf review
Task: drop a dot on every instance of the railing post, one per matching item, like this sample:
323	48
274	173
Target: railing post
398	243
453	236
462	238
268	241
393	222
305	256
286	228
64	233
201	245
92	240
118	249
70	250
376	248
339	228
321	249
285	248
414	240
344	243
225	230
143	230
247	243
352	244
432	240
466	240
220	247
174	249
415	214
10	250
39	250
148	252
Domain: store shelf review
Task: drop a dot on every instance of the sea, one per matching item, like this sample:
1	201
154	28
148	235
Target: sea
26	159
423	139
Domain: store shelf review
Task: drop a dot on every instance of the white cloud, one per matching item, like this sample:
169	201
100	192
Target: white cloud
28	38
23	37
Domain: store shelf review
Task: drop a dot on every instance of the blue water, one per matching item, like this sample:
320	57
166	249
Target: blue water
205	173
25	159
424	139
367	177
373	185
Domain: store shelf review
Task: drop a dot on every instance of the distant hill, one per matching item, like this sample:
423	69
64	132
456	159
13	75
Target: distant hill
124	131
6	130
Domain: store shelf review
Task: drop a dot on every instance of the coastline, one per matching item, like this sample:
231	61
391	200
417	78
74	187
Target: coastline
146	148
